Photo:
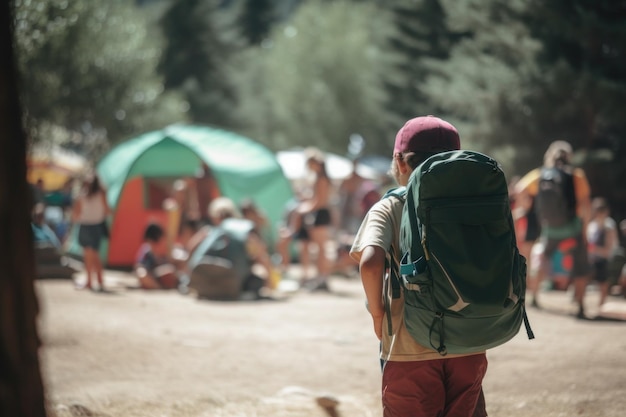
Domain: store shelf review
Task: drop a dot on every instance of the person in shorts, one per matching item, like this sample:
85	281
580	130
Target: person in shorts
416	380
314	213
603	241
90	212
559	154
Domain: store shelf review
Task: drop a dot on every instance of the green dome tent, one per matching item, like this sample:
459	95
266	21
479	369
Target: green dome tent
138	174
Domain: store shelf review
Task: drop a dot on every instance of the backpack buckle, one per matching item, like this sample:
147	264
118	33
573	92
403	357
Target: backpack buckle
411	269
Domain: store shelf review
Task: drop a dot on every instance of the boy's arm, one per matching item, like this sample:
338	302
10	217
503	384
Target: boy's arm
372	268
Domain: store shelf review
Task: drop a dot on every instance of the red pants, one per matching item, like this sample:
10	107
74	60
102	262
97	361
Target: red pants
436	388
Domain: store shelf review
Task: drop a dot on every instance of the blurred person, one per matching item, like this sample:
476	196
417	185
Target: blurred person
232	260
223	212
184	199
49	253
43	235
356	195
60	208
350	209
249	210
293	229
622	229
180	251
603	240
153	268
90	212
38	192
204	190
185	237
527	227
561	194
416	379
314	211
525	220
622	276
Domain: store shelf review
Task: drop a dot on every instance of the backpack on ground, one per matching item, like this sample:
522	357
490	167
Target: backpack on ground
220	266
555	202
464	279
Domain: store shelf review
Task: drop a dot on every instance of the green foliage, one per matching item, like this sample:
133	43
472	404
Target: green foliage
319	80
512	75
422	39
256	19
582	68
536	71
582	79
481	87
196	59
89	67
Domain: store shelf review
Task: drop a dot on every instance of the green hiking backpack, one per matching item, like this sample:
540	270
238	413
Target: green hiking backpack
464	278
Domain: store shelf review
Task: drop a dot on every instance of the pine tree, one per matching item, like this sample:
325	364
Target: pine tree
256	20
582	66
422	38
196	59
581	85
482	83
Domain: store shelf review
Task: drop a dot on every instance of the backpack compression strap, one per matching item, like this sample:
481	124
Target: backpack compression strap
411	268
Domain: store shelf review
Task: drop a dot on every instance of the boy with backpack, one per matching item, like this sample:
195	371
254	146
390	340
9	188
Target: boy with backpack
561	195
417	379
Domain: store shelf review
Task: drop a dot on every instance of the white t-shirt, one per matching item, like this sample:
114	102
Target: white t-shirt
92	209
595	232
381	228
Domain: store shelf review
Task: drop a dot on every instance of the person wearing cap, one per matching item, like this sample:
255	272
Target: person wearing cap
559	154
416	380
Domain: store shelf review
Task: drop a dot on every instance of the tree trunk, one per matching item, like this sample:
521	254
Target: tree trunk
21	387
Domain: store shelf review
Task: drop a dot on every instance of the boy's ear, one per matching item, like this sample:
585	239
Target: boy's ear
403	167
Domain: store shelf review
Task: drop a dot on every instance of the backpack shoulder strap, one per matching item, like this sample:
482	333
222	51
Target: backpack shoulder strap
391	265
570	188
398	193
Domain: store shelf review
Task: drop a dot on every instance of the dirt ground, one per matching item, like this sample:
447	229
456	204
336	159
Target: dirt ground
135	353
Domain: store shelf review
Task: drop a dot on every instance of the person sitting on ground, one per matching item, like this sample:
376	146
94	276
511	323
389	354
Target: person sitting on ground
222	212
43	235
232	261
152	267
293	230
250	211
